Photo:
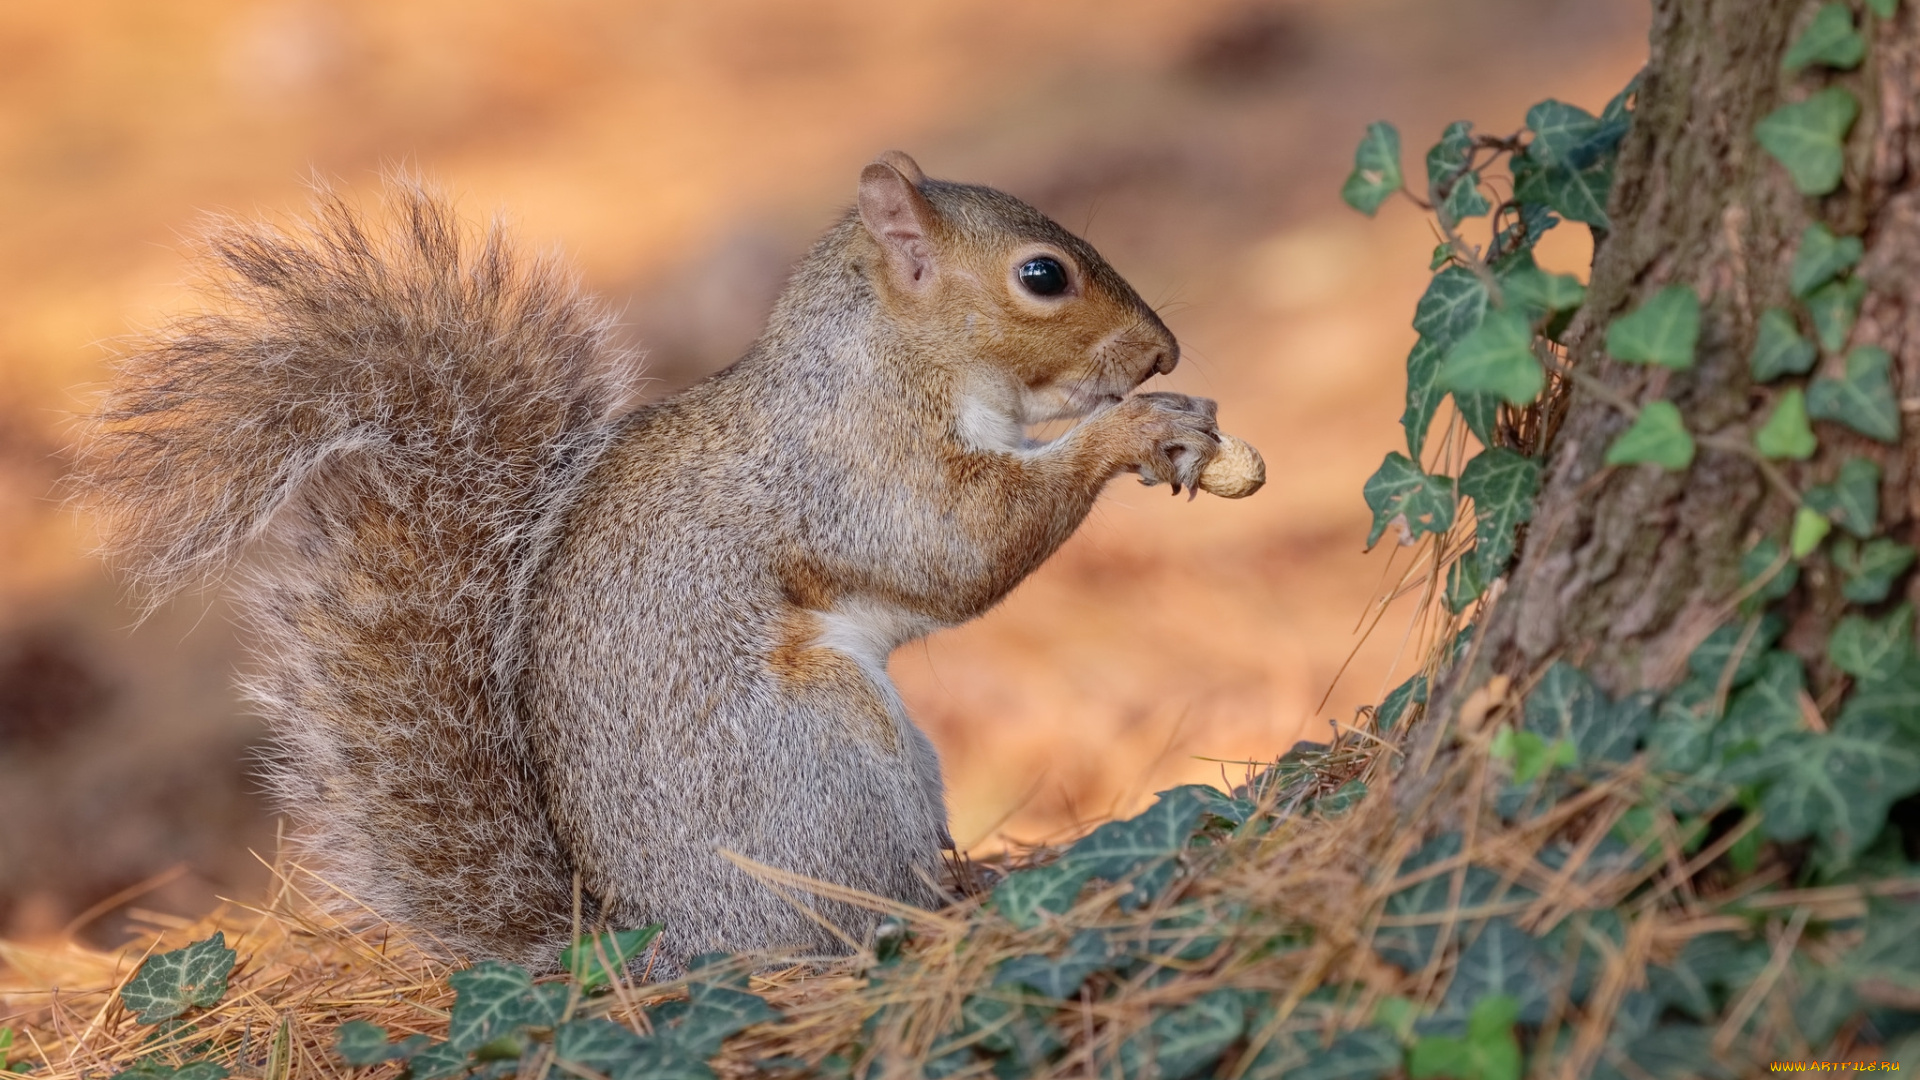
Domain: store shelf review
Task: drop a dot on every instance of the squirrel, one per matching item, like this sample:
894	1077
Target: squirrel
533	655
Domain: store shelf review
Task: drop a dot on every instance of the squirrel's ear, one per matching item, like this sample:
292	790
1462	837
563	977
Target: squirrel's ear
899	216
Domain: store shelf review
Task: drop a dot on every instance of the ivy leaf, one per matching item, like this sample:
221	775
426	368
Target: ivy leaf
1836	786
1399	491
436	1061
1862	399
1809	528
1015	1029
1806	138
1023	895
1086	953
1780	350
596	961
1463	201
1448	157
1829	40
1852	501
1741	646
1883	8
1895	699
1502	485
1376	169
600	1045
1765	709
1405	696
1143	847
1423	393
1496	357
1481	412
360	1043
492	999
1409	946
1698	980
1451	307
716	1013
1767	570
1822	256
1503	960
1532	287
1532	220
1873	649
169	984
1655	437
1786	434
1834	307
1569	137
1871	568
1183	1042
1367	1054
1576	194
1663	331
1465	584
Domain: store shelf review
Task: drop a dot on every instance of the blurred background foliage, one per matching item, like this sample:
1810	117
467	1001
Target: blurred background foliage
682	155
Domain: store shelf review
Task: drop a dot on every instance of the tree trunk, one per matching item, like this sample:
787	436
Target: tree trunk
1626	569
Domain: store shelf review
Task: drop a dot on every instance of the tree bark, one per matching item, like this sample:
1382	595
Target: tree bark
1625	570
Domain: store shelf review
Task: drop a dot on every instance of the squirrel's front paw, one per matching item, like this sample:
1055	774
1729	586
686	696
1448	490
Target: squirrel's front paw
1171	437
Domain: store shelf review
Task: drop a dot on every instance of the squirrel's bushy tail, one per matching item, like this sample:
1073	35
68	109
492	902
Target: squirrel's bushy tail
398	419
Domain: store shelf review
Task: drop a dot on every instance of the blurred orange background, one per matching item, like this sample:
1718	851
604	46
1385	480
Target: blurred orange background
681	155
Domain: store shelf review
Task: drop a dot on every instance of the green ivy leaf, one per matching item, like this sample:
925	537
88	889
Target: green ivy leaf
1765	709
1835	786
1085	954
1852	501
1447	159
360	1043
1883	8
1655	437
1809	528
1504	960
1408	947
1451	307
1464	582
1566	707
492	1000
1829	40
1531	222
1481	411
1822	256
1024	895
1496	357
1862	399
1786	434
1367	1054
1780	350
1569	137
1502	485
1531	287
1769	572
1423	393
1576	194
1663	331
596	961
716	1013
1011	1028
169	984
1873	649
1871	568
1181	1043
1399	491
1806	137
1404	697
1740	645
1834	307
1463	201
600	1045
1142	848
1376	169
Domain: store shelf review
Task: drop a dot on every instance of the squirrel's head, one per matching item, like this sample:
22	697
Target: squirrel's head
1025	309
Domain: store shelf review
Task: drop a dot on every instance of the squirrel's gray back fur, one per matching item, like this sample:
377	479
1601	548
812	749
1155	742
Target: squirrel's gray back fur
403	418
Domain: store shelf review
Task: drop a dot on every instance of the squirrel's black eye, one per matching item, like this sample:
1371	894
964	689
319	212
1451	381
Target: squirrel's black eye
1043	276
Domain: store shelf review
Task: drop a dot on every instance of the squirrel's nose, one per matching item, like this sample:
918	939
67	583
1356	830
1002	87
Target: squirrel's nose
1163	358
